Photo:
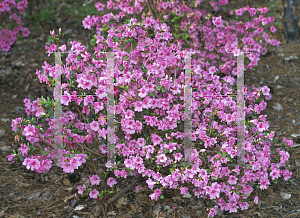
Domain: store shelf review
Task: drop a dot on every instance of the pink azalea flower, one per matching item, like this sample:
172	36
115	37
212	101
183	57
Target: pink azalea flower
150	183
111	182
93	194
183	190
80	189
95	180
99	6
10	157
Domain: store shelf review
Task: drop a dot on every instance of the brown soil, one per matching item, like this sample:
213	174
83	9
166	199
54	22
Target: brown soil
25	193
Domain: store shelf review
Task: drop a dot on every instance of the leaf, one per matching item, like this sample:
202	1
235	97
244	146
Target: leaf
166	151
163	89
104	29
125	57
162	197
158	87
121	67
144	69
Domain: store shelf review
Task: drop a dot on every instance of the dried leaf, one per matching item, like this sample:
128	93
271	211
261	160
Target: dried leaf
66	182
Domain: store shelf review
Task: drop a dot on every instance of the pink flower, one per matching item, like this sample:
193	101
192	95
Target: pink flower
111	182
24	150
265	90
99	6
11	157
275	174
67	167
110	4
243	205
26	32
263	183
162	158
150	183
63	48
80	189
256	200
232	180
138	187
183	190
93	194
34	164
155	195
288	142
94	126
95	180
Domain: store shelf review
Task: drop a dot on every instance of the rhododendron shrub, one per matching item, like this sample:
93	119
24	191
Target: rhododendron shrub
149	113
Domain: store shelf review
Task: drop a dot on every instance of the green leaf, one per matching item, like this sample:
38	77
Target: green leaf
163	89
146	111
63	146
22	138
162	197
130	173
234	123
144	69
105	29
158	87
166	151
121	67
171	170
125	57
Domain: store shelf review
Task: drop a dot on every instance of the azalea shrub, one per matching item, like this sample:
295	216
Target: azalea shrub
149	93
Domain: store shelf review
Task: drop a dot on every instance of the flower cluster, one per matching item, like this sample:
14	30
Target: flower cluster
149	110
8	37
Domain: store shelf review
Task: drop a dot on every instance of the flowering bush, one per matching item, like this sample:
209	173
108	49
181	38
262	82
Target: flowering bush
149	111
8	37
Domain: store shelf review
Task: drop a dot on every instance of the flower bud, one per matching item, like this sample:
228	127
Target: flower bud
59	31
52	33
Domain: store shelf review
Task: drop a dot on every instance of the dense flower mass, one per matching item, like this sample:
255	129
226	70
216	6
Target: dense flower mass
150	101
8	37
